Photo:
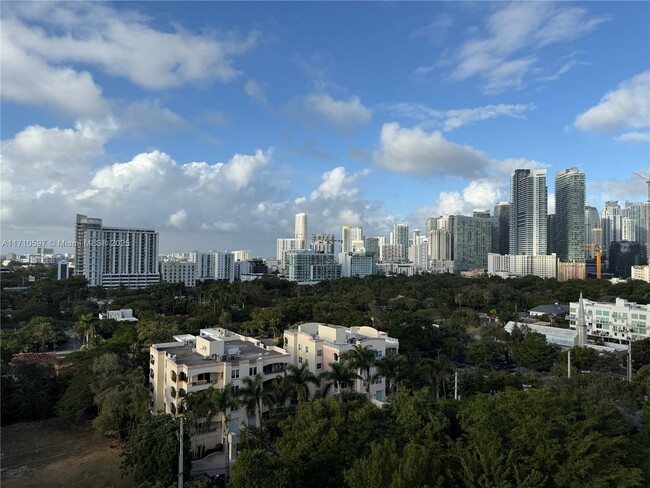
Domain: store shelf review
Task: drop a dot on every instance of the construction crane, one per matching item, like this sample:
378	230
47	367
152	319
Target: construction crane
596	248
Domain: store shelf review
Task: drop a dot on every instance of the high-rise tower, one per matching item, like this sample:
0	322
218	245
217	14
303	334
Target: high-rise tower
401	237
301	230
570	215
528	212
502	214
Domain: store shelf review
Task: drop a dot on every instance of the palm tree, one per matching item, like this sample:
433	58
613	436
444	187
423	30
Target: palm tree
389	367
276	394
298	380
252	394
44	332
223	402
361	359
199	411
85	327
339	376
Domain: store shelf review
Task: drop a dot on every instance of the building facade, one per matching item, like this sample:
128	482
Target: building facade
350	235
522	265
528	212
323	243
301	230
178	272
357	264
570	215
472	242
613	322
321	345
311	267
113	256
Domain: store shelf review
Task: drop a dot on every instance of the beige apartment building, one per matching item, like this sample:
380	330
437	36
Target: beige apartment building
215	358
320	345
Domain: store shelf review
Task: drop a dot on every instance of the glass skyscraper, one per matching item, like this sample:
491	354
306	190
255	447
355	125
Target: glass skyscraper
570	236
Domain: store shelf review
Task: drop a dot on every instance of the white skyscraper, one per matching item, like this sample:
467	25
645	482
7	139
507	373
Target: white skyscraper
528	212
301	230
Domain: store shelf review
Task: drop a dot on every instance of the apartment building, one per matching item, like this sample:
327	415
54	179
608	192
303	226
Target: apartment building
614	322
179	272
216	358
320	345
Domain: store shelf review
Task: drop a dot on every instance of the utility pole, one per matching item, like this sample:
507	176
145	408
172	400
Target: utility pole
569	365
180	456
456	385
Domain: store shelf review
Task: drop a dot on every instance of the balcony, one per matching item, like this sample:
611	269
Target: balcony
172	392
182	376
182	393
172	375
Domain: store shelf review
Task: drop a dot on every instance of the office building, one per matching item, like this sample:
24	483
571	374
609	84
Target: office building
502	214
629	229
323	243
623	255
570	215
611	224
613	322
638	212
114	256
592	239
373	245
301	230
528	212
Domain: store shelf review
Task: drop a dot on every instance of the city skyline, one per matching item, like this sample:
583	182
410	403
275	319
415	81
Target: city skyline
239	120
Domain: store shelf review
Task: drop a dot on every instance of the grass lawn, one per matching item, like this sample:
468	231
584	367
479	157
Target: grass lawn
48	454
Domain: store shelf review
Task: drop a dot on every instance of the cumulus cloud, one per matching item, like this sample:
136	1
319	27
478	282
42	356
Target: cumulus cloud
452	119
506	47
634	137
178	219
626	107
417	151
344	114
337	183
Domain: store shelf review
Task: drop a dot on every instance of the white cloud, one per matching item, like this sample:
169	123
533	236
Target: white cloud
125	44
27	78
344	114
634	137
337	183
452	119
627	107
505	53
256	91
178	219
416	151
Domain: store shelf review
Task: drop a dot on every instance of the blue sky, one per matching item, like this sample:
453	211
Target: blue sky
215	123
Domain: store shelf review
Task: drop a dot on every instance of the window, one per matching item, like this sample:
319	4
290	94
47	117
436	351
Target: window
378	354
319	352
300	347
234	373
252	371
319	365
299	359
306	348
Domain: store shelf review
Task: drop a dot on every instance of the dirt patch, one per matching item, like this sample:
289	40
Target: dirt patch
49	454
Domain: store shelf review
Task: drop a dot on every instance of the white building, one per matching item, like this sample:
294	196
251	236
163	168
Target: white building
122	315
284	245
554	335
217	358
407	269
321	345
441	266
641	273
310	267
614	322
351	237
115	256
301	230
419	254
204	264
224	266
505	265
357	264
242	255
179	272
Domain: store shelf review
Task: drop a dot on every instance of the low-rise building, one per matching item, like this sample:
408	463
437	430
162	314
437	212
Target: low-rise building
122	315
640	273
614	322
310	267
321	345
506	265
179	272
216	358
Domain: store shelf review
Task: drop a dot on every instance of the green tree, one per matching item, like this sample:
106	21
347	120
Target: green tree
298	380
151	453
534	352
389	367
256	468
252	394
339	376
362	359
